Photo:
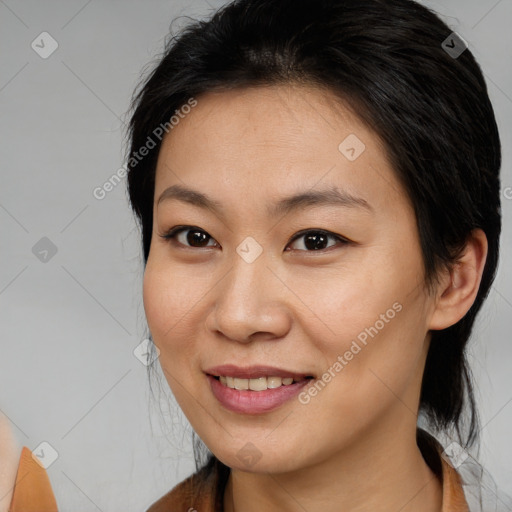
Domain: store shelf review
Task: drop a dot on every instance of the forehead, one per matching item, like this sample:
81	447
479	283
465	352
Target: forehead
275	139
277	114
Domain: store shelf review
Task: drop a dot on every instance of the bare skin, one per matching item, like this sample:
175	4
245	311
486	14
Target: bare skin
352	446
9	457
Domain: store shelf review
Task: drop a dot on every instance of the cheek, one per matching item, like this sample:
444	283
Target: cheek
155	304
169	314
370	332
381	363
167	304
342	306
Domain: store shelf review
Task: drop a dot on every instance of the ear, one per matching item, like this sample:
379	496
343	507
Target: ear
459	286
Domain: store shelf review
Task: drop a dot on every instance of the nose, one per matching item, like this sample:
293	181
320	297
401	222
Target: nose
250	303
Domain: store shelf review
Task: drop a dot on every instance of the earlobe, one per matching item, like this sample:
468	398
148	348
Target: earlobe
457	292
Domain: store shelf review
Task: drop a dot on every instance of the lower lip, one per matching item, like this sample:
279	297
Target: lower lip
254	402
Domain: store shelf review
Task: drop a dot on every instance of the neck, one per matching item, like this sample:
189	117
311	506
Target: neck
380	473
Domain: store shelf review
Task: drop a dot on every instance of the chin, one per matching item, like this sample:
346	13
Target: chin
254	457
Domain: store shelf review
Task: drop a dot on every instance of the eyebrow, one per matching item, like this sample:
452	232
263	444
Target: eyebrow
326	197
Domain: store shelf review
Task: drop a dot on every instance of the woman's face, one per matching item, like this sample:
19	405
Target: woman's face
328	285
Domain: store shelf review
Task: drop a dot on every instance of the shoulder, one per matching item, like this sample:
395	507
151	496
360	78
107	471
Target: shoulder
24	483
32	491
467	485
197	492
481	490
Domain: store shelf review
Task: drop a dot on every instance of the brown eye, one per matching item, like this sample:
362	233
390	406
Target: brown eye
317	240
189	236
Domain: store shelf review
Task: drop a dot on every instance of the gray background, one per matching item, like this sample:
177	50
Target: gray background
69	325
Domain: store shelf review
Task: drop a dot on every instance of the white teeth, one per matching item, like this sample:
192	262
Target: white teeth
274	382
258	384
241	383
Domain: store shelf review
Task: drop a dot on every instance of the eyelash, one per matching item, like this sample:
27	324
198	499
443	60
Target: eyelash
173	232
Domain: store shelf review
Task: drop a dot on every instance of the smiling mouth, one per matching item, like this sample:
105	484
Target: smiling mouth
258	384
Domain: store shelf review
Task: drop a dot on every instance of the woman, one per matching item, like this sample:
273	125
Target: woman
317	184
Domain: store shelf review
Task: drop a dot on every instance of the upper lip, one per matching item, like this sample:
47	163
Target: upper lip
252	372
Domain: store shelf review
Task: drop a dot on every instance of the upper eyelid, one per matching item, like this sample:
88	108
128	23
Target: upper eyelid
303	232
339	238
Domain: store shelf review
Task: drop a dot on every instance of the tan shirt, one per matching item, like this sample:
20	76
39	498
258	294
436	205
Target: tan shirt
32	491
